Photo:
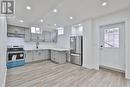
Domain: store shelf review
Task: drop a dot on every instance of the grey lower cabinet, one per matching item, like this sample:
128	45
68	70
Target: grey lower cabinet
28	56
36	55
58	56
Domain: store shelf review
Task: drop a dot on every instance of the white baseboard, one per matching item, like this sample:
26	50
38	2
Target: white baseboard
113	69
3	76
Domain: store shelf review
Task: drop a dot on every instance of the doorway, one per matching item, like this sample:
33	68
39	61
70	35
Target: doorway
112	46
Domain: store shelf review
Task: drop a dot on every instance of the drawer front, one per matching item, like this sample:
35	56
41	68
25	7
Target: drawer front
15	64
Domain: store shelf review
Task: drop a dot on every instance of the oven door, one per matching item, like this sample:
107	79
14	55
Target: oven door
13	56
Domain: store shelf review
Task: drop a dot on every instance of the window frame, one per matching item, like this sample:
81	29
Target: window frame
36	32
60	29
112	47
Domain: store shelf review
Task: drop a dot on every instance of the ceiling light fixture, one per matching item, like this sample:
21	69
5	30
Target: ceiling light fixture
21	21
104	3
79	24
41	20
71	18
55	10
55	24
28	8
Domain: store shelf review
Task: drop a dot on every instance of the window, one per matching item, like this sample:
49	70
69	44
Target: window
111	38
60	31
35	30
32	29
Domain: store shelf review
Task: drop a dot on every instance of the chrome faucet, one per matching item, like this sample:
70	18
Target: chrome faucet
37	43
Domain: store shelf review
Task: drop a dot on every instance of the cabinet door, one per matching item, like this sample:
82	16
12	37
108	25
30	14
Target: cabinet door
42	37
45	54
14	31
37	55
41	55
33	37
47	36
52	55
20	30
60	57
27	35
28	56
54	36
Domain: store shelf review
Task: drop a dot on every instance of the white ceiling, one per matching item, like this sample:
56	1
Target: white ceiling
78	9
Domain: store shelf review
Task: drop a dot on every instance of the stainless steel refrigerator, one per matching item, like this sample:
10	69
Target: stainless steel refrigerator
76	53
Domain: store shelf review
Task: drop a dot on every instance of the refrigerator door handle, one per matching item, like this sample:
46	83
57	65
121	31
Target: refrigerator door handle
78	55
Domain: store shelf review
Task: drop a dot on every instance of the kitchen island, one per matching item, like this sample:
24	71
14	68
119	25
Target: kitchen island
56	55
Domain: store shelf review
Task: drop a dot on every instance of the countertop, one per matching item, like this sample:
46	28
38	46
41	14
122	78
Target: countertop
57	49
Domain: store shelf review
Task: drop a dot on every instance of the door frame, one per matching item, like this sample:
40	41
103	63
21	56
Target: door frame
124	41
97	48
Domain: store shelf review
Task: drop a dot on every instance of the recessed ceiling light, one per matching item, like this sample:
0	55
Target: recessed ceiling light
79	24
71	18
21	21
55	10
41	20
104	3
55	24
28	8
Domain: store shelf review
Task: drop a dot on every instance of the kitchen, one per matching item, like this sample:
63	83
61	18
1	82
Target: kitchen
26	45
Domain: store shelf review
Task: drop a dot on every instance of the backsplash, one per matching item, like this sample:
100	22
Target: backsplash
29	45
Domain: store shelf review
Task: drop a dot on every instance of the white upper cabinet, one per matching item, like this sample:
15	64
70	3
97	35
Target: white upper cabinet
45	36
77	30
54	36
15	31
27	35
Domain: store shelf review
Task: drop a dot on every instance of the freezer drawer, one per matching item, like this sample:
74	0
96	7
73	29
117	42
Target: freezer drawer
76	59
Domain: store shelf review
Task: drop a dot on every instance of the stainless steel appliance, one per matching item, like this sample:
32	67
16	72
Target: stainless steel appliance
76	53
15	56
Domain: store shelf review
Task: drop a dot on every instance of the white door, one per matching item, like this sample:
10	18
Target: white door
112	46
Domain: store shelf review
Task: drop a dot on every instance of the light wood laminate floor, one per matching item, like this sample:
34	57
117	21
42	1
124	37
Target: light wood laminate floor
48	74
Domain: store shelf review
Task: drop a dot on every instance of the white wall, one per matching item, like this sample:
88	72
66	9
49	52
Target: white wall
88	59
64	40
91	38
3	39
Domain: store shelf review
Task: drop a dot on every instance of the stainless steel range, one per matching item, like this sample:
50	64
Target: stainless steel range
15	56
